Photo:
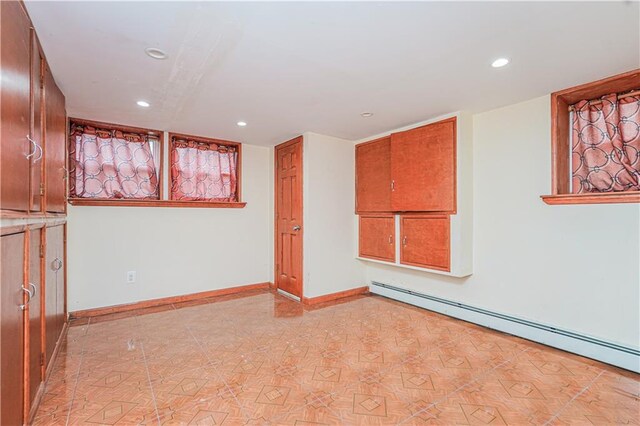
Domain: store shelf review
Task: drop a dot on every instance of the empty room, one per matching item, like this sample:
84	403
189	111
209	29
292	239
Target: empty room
319	213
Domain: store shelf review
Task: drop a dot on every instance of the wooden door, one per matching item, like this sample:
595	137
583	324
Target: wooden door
12	328
423	168
56	145
37	99
35	318
53	267
425	241
377	237
373	176
288	217
14	166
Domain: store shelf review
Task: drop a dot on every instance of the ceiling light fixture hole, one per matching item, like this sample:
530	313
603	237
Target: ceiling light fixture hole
367	114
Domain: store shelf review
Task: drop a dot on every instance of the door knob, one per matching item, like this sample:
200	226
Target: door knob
296	228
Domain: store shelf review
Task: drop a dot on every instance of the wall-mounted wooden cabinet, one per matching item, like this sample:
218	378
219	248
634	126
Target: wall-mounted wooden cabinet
425	241
409	171
55	125
373	176
33	120
417	183
377	237
16	112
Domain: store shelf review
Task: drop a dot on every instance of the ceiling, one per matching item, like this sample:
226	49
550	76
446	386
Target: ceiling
286	68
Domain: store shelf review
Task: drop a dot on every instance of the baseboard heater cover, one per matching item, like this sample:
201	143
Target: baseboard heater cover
607	352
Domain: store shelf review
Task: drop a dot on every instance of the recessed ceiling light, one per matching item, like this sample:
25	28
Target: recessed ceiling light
241	123
144	104
500	62
156	53
366	114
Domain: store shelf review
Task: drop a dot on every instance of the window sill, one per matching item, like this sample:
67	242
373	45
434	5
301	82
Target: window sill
158	203
604	198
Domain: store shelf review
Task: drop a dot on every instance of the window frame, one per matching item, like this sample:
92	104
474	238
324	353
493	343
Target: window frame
202	139
162	201
561	146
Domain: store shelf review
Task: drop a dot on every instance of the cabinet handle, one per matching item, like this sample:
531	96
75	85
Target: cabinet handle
35	147
26	290
34	289
393	185
56	264
390	239
404	240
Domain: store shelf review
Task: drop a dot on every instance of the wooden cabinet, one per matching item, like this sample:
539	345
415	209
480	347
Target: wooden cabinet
55	145
377	237
36	127
34	311
409	171
373	176
12	331
425	241
15	34
423	168
54	288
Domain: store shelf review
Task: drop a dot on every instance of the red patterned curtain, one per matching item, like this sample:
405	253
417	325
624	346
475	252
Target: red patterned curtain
606	145
203	171
110	164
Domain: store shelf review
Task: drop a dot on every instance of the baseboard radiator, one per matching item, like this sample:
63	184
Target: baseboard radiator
608	352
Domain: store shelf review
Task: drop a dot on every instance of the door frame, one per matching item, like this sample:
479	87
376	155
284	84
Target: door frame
300	140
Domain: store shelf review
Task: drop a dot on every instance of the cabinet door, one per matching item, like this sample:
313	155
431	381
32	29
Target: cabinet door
423	168
373	176
11	322
377	237
56	145
54	287
36	128
35	323
425	241
15	98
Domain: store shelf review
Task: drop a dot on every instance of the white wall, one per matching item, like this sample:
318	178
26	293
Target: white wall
174	250
330	226
572	267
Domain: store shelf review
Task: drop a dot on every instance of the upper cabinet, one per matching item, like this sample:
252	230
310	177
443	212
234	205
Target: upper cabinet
56	142
16	112
423	168
33	135
410	171
373	176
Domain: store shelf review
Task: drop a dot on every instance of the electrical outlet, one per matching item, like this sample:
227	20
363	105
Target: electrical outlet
131	277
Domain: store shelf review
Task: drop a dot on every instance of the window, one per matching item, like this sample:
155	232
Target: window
595	137
203	169
116	165
108	162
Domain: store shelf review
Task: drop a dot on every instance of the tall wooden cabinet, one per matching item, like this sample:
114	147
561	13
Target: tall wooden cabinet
407	184
32	216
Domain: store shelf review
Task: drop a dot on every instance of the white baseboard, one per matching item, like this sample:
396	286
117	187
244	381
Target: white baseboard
607	352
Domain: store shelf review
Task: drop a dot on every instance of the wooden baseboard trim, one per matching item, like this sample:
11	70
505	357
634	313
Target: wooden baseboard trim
335	296
88	313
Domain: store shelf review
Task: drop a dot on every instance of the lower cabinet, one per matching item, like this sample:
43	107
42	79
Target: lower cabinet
54	312
27	337
425	241
35	313
377	237
12	301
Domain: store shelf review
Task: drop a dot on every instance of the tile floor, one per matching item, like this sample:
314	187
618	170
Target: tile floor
262	359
